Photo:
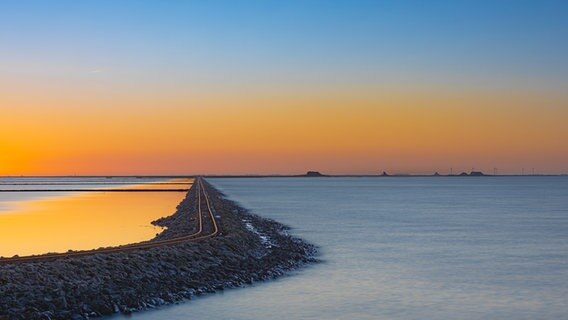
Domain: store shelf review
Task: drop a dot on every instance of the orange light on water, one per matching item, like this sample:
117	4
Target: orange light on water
84	221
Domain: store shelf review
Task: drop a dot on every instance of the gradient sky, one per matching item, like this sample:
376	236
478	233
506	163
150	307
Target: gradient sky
175	87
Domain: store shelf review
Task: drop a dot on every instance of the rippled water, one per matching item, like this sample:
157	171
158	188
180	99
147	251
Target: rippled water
41	222
407	248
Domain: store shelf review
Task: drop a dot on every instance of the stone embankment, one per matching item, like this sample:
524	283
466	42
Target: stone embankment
248	248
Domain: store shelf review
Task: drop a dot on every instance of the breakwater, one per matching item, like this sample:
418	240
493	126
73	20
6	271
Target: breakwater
246	248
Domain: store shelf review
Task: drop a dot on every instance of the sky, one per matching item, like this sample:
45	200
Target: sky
241	87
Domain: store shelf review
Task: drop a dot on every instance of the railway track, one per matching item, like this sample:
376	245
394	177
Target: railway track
203	202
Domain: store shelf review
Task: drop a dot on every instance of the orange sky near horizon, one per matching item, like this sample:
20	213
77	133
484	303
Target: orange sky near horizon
70	130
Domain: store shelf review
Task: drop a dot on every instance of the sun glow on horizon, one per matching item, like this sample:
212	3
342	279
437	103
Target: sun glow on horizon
359	132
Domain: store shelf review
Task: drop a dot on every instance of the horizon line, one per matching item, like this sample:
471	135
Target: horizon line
214	175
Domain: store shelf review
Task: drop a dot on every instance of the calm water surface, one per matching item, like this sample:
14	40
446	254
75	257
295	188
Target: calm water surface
407	248
41	222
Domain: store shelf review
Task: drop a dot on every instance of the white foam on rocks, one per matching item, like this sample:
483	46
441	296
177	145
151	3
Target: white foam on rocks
264	239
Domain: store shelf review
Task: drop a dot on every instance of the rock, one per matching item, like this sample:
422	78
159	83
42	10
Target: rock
128	281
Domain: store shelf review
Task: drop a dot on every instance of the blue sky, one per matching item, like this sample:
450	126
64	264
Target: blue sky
474	42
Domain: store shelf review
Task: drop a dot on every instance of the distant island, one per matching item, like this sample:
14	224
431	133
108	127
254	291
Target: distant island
472	174
313	174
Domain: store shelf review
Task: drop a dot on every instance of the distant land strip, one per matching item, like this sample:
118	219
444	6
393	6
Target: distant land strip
96	190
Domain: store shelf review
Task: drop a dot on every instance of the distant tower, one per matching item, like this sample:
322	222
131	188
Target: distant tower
494	171
533	171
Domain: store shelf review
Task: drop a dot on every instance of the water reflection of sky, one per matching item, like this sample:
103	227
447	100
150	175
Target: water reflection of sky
11	200
39	222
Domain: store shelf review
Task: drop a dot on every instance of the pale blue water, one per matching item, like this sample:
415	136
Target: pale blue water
407	248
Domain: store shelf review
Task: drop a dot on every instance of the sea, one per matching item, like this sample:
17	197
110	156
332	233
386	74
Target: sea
406	248
390	247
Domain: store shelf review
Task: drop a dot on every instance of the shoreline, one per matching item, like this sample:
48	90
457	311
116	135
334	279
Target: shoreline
249	248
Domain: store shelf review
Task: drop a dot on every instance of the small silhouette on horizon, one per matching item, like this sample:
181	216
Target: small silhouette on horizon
314	174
